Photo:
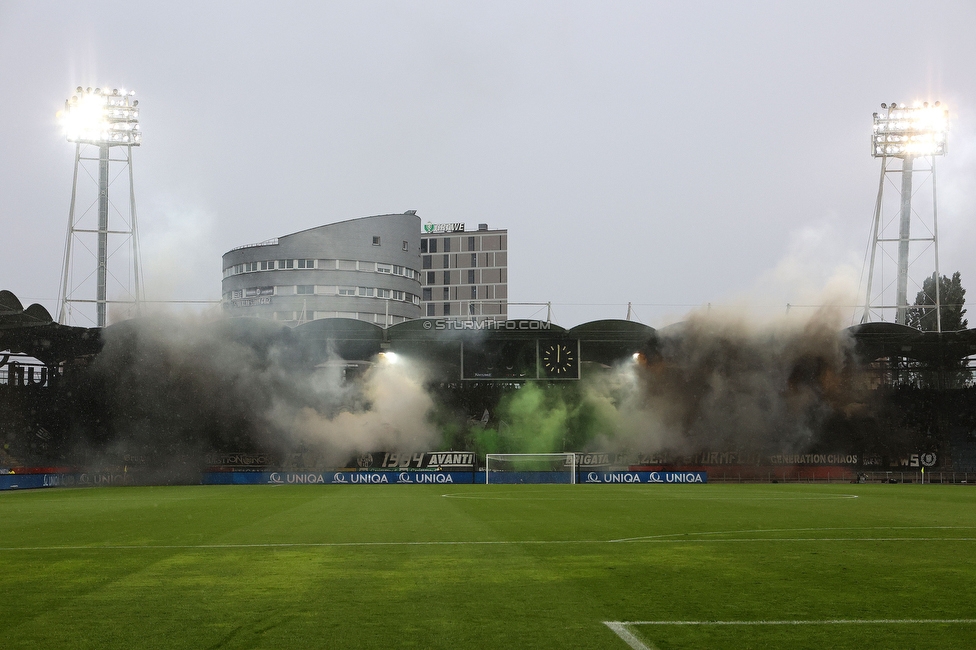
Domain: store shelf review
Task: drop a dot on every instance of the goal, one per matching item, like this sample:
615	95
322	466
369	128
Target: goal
530	468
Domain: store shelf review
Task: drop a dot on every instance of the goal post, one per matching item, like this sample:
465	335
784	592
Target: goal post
538	468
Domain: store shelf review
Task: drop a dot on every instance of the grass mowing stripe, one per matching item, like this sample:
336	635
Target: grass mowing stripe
238	567
136	547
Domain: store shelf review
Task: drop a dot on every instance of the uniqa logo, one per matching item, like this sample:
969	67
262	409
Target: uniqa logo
613	477
305	478
434	478
339	478
275	478
368	478
404	478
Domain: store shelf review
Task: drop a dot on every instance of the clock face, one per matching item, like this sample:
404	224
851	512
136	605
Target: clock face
559	360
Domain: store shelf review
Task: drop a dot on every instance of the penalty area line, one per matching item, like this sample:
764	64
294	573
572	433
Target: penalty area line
837	621
620	627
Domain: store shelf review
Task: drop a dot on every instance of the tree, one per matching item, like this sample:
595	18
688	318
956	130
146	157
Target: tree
952	298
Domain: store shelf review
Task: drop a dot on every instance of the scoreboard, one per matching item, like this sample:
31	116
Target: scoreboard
520	359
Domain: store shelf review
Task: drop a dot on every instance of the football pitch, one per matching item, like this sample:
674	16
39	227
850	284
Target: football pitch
489	566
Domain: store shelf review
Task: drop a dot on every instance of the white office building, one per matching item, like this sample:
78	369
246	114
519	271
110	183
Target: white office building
367	269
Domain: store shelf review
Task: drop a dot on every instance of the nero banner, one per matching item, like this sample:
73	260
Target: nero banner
431	460
643	477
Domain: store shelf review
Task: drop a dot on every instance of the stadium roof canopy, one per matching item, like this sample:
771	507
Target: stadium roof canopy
33	332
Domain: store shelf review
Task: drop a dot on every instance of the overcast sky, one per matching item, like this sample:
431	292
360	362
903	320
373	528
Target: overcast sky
667	154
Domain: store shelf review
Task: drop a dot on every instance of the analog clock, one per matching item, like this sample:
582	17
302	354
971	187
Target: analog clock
559	360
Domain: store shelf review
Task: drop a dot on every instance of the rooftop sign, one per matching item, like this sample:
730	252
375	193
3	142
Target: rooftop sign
434	228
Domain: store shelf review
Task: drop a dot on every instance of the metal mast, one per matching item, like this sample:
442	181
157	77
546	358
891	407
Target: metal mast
907	134
103	119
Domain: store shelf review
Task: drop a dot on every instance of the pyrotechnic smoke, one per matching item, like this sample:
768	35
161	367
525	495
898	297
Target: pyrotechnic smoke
169	390
166	390
711	383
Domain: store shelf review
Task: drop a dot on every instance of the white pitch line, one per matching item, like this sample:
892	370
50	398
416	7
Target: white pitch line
620	627
839	621
620	630
671	538
644	538
511	496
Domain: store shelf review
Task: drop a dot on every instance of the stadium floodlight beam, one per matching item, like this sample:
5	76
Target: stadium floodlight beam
102	118
906	133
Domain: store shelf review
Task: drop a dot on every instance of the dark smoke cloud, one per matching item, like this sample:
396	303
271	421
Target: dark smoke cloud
711	383
166	390
722	383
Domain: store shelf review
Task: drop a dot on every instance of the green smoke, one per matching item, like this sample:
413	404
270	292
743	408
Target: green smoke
541	418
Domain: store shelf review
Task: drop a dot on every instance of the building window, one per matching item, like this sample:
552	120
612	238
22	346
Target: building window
286	264
397	295
431	277
447	262
474	292
366	292
432	245
474	259
406	245
447	293
376	240
383	268
447	309
414	299
471	309
428	294
264	265
470	276
382	293
423	245
430	309
306	264
470	243
427	262
398	270
447	244
347	291
305	289
447	277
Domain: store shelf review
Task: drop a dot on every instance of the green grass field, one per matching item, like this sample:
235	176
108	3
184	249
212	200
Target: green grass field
475	566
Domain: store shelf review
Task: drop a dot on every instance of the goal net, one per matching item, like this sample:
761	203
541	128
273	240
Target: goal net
530	468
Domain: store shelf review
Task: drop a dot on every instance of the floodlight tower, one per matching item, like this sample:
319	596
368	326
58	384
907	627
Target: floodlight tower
105	119
908	134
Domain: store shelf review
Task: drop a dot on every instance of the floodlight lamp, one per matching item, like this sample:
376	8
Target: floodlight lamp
910	132
389	357
101	118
